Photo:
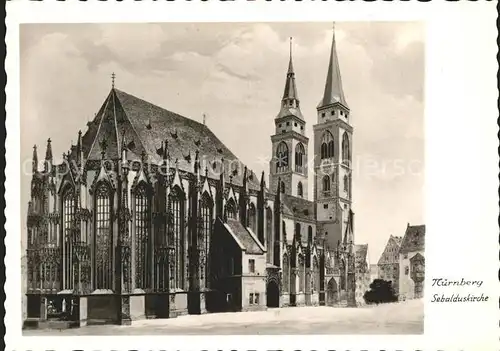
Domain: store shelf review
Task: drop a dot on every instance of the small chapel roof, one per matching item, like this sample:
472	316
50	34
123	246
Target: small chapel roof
414	239
144	127
244	237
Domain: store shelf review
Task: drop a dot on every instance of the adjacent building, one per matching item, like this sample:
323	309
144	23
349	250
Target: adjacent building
412	263
388	264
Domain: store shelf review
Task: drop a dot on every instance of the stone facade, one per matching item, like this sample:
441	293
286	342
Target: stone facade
388	264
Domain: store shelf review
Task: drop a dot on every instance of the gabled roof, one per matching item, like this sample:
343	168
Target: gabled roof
244	238
298	207
145	126
414	239
388	256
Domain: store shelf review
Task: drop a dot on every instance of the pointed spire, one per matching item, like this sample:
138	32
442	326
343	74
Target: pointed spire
245	180
262	181
35	160
290	63
48	152
334	92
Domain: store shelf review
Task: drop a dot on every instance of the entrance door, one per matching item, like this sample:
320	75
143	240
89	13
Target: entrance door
331	292
273	294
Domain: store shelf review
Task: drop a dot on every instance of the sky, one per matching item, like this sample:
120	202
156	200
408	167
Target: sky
234	73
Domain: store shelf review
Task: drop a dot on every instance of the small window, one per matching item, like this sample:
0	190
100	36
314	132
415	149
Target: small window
279	125
256	298
287	123
250	299
301	127
333	112
325	206
251	266
283	131
407	270
323	114
295	124
341	113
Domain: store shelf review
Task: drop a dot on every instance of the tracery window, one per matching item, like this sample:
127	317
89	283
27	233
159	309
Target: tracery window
346	184
206	218
231	209
68	221
282	157
299	157
177	206
142	237
103	239
327	146
301	273
282	187
252	221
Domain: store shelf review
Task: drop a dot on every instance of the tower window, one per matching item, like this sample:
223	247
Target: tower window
301	127
300	190
279	125
341	113
283	187
333	112
327	146
325	206
251	266
299	157
346	152
323	114
287	123
295	124
346	184
326	185
282	157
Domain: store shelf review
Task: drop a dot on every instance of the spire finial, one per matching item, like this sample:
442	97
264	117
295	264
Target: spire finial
204	119
291	47
113	76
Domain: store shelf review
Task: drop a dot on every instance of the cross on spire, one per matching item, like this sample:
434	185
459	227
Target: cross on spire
113	76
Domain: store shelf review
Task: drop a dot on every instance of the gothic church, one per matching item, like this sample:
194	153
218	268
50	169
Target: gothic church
150	215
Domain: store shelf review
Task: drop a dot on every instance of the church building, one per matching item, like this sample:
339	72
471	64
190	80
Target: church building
150	215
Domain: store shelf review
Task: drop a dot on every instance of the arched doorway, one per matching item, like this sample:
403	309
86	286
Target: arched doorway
273	294
332	292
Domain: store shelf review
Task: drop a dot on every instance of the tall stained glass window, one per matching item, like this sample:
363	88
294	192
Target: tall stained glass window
177	206
103	239
206	217
142	237
68	219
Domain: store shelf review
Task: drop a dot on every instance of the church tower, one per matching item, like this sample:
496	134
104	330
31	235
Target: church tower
332	162
289	143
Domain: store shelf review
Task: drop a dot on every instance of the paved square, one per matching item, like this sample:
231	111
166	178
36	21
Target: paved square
399	318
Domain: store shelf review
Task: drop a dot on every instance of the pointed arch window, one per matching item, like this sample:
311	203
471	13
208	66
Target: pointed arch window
310	235
297	232
177	202
299	158
252	221
68	207
142	237
346	152
206	210
326	184
269	234
231	209
300	190
327	146
346	184
282	187
282	157
103	260
316	274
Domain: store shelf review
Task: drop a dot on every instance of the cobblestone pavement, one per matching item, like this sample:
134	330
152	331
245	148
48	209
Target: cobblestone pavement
399	318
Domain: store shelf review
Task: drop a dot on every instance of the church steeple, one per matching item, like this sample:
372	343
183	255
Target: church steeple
34	161
290	104
334	92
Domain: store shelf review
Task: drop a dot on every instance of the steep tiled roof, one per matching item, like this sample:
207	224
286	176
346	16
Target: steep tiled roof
391	251
244	237
414	239
298	207
145	126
